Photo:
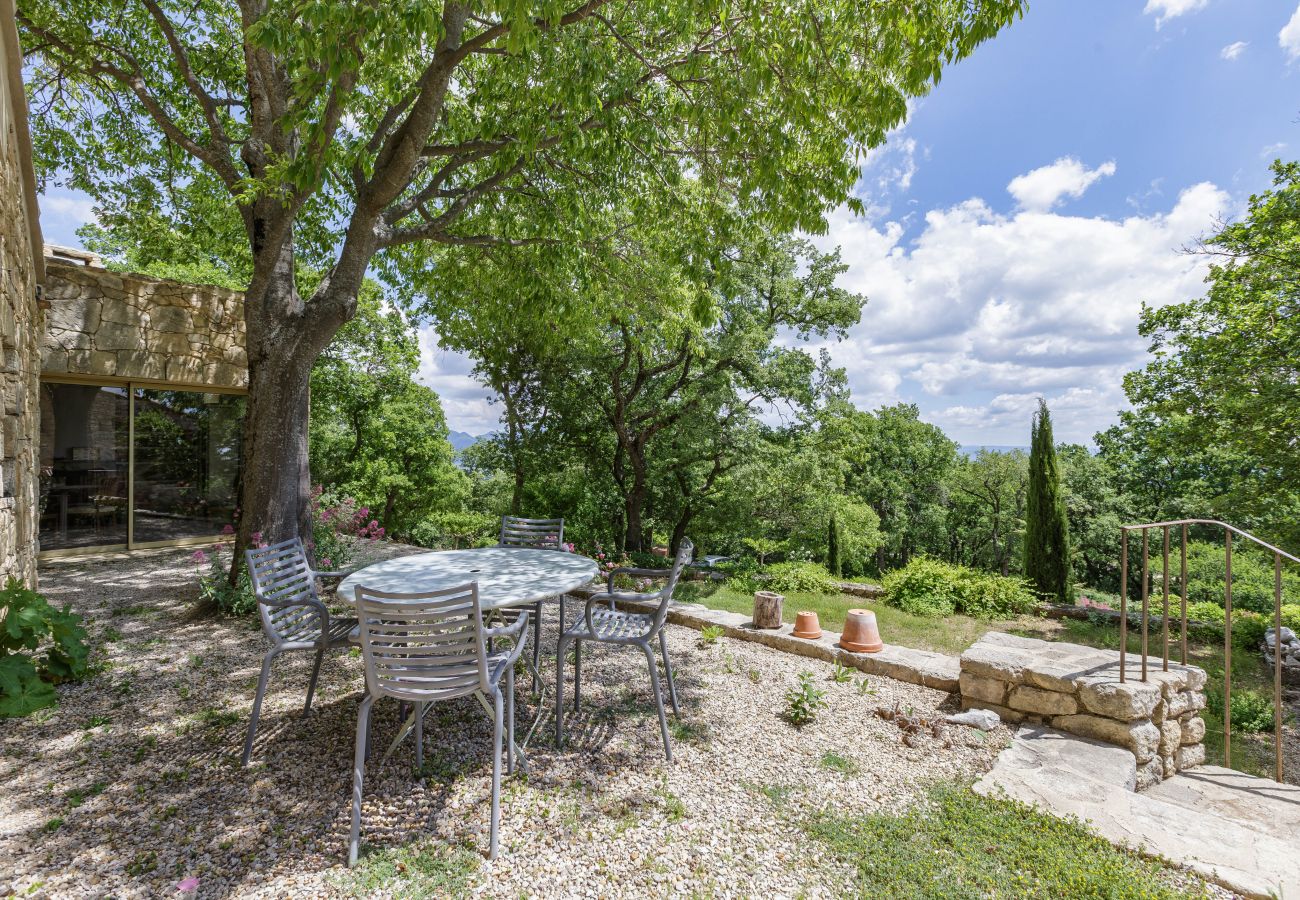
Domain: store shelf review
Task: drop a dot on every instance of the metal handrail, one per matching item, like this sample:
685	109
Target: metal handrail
1229	531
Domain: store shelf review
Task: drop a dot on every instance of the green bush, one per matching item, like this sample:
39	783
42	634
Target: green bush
28	623
1252	711
215	589
929	587
1252	577
924	587
1248	629
1291	616
800	578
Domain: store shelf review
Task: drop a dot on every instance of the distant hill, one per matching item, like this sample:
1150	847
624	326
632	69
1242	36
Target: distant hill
462	439
973	451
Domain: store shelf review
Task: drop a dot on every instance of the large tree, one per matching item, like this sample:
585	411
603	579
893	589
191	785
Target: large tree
1224	387
354	135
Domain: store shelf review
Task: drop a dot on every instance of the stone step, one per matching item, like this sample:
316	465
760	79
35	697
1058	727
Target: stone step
1258	803
1068	776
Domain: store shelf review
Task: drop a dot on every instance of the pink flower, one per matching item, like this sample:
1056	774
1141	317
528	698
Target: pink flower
326	562
228	529
187	885
600	556
199	557
256	538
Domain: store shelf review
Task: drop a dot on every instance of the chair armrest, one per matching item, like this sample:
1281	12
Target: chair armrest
322	613
520	624
640	573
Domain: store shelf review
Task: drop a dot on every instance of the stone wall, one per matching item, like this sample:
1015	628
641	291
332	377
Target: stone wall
20	324
121	326
1077	689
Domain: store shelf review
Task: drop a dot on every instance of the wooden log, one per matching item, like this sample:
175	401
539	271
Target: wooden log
767	609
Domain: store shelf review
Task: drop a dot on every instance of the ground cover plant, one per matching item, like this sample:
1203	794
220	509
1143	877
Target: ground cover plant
959	844
40	646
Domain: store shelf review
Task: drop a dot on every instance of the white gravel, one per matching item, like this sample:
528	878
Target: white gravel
133	783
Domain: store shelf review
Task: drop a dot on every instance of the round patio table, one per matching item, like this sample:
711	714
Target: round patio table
506	576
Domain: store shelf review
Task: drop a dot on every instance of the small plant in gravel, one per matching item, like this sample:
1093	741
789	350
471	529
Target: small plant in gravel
838	763
804	701
29	625
709	634
674	808
841	674
865	689
755	676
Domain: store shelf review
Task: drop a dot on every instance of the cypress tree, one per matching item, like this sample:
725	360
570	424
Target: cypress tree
833	546
1047	538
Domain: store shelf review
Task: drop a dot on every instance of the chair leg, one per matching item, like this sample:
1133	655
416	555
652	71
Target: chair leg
418	712
496	773
311	685
668	667
537	650
510	720
560	647
659	700
577	674
257	703
358	775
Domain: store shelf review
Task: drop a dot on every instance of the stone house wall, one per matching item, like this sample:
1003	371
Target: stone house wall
120	326
21	272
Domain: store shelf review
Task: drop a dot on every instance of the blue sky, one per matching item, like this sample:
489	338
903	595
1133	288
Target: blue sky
1029	206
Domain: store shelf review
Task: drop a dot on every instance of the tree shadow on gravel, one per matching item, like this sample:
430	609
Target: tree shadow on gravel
134	782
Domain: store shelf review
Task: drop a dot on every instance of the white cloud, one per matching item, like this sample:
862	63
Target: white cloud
1273	151
982	311
1164	10
1046	186
1233	50
1289	37
466	403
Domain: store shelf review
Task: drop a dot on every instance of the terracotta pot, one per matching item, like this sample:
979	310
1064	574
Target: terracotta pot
807	626
659	551
861	635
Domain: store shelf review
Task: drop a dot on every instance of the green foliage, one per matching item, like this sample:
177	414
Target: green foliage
929	587
1248	629
833	547
419	870
958	843
1252	710
1047	536
1222	393
709	634
216	591
453	530
28	624
801	578
841	674
1252	577
804	701
837	762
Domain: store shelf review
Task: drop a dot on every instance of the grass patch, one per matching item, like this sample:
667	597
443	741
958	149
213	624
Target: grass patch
961	845
837	763
415	871
687	732
78	796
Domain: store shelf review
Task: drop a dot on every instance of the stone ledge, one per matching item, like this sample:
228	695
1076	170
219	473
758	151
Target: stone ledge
932	670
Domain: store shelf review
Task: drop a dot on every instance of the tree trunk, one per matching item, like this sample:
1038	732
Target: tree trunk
633	505
679	530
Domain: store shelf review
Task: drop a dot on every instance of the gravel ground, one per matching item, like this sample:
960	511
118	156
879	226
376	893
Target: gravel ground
133	783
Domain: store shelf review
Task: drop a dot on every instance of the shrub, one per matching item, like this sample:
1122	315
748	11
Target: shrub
929	587
1291	616
1252	577
1252	711
216	591
800	578
1248	629
454	529
28	623
924	587
804	701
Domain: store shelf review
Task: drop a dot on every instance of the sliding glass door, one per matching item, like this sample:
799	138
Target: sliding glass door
127	465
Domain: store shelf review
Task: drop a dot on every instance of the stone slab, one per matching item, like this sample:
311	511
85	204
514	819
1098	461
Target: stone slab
1221	849
1258	803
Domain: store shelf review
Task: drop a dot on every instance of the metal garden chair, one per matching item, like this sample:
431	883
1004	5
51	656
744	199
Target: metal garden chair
538	534
609	625
293	616
427	647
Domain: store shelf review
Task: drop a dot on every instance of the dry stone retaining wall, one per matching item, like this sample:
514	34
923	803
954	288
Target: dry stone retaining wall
1077	689
122	326
20	326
